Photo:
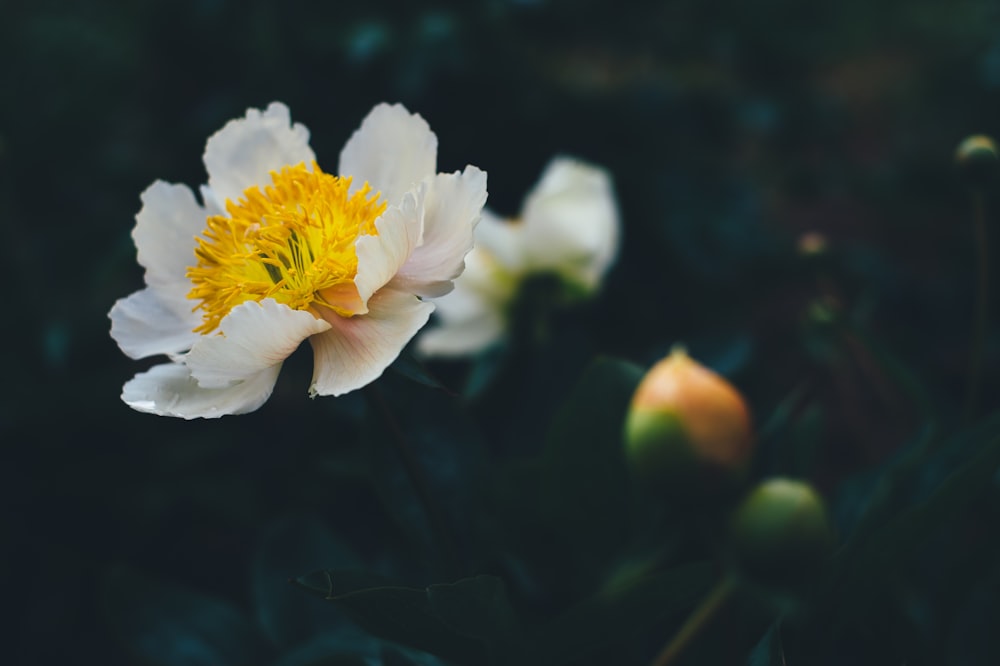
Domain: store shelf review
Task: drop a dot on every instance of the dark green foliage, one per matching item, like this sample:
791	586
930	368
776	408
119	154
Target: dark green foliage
730	130
467	622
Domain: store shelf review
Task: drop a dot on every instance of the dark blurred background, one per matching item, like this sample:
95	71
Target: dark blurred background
731	129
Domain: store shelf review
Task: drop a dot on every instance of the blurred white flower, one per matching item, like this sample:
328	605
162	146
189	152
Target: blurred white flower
569	226
279	251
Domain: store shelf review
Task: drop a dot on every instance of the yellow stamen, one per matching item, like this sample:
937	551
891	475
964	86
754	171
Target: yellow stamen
293	242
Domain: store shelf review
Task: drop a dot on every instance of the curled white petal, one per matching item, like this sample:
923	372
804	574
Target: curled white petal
254	337
381	256
571	223
452	207
393	151
164	235
170	390
244	152
144	325
357	350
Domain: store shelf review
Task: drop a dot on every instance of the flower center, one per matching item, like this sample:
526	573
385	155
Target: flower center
293	242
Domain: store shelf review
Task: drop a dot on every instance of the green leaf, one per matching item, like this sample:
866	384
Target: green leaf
406	365
467	622
431	433
658	600
769	651
929	490
169	624
565	511
288	547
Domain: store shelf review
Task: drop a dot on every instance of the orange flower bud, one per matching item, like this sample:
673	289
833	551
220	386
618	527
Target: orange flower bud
688	431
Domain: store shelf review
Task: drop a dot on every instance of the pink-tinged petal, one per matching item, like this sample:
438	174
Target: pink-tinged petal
143	325
381	256
254	337
571	222
164	235
170	390
357	350
244	152
393	150
452	207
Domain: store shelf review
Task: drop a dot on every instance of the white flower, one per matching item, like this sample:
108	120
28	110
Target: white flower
279	251
569	226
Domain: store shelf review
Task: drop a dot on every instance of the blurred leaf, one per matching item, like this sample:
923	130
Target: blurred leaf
727	355
486	366
567	509
768	652
928	488
406	365
468	622
657	600
444	445
346	645
165	623
974	638
913	476
399	656
287	548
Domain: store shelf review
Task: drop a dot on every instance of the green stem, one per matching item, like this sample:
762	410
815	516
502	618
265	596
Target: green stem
697	621
982	306
435	517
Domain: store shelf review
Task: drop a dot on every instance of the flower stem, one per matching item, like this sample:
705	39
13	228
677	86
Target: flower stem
979	325
697	621
435	517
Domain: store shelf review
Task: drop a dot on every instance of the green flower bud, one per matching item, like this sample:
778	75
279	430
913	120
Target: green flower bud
977	159
688	433
781	533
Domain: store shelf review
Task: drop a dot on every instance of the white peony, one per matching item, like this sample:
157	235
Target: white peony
568	226
279	251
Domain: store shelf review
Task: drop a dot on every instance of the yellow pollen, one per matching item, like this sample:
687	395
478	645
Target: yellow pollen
293	242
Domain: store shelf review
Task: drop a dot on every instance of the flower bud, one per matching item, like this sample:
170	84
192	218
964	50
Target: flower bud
781	532
977	159
812	244
688	433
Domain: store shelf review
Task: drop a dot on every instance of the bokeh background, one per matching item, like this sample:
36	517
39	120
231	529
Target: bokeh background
730	128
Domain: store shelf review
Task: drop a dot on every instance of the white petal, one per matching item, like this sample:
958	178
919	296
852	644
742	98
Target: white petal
358	349
213	204
170	390
473	316
502	239
393	150
244	152
381	256
462	338
452	207
254	337
164	235
571	222
143	325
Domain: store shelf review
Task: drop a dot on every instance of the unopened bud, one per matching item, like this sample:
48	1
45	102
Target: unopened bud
812	244
977	159
688	433
781	533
